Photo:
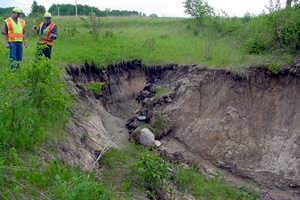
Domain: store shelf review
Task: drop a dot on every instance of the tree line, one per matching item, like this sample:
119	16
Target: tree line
5	11
70	10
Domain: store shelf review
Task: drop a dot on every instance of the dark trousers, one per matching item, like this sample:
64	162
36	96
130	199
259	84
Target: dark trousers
45	50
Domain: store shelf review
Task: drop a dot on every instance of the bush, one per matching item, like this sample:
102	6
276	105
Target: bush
257	35
152	170
279	29
33	101
286	26
134	169
275	68
95	87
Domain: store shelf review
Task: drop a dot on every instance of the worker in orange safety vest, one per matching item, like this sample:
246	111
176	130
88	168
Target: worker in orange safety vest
47	32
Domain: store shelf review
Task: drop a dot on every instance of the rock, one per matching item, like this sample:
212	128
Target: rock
210	172
147	100
148	87
146	137
266	196
132	124
157	143
142	118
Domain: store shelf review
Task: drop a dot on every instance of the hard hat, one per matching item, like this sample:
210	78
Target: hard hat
17	10
47	15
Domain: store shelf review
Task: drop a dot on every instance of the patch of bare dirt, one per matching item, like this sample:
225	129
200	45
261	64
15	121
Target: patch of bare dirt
246	124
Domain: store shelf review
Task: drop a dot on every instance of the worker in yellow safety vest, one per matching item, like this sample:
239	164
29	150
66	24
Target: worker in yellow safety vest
14	37
47	32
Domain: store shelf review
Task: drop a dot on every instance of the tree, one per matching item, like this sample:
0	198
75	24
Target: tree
198	8
5	12
289	3
153	15
37	10
85	10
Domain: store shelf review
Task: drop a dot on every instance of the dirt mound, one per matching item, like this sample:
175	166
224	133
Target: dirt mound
247	123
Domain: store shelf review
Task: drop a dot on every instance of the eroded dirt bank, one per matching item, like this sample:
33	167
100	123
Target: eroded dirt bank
247	123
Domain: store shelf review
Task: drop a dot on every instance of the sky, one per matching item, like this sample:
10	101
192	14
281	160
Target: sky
164	8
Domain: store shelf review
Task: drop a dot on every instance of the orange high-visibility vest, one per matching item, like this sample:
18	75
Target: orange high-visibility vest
45	37
15	30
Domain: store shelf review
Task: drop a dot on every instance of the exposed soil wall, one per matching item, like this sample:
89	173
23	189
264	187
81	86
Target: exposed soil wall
245	122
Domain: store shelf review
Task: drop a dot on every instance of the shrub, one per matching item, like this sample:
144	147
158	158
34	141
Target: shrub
286	26
153	15
95	87
134	169
279	29
161	91
257	36
33	101
275	68
152	170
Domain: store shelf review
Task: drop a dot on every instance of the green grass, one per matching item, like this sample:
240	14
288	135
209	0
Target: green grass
155	40
35	180
161	91
191	181
94	86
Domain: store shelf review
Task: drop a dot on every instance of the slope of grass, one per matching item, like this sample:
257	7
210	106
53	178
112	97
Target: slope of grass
155	40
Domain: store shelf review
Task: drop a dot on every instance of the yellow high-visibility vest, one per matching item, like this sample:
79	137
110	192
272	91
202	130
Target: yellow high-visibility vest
15	30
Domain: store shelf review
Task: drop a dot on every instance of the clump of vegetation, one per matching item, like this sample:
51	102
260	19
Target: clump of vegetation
32	103
108	34
133	170
161	91
130	172
95	87
161	125
275	68
94	25
152	170
33	180
190	180
153	15
258	34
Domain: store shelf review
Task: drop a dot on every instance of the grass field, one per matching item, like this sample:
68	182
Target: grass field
155	40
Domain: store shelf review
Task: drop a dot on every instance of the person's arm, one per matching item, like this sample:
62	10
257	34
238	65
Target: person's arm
4	33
